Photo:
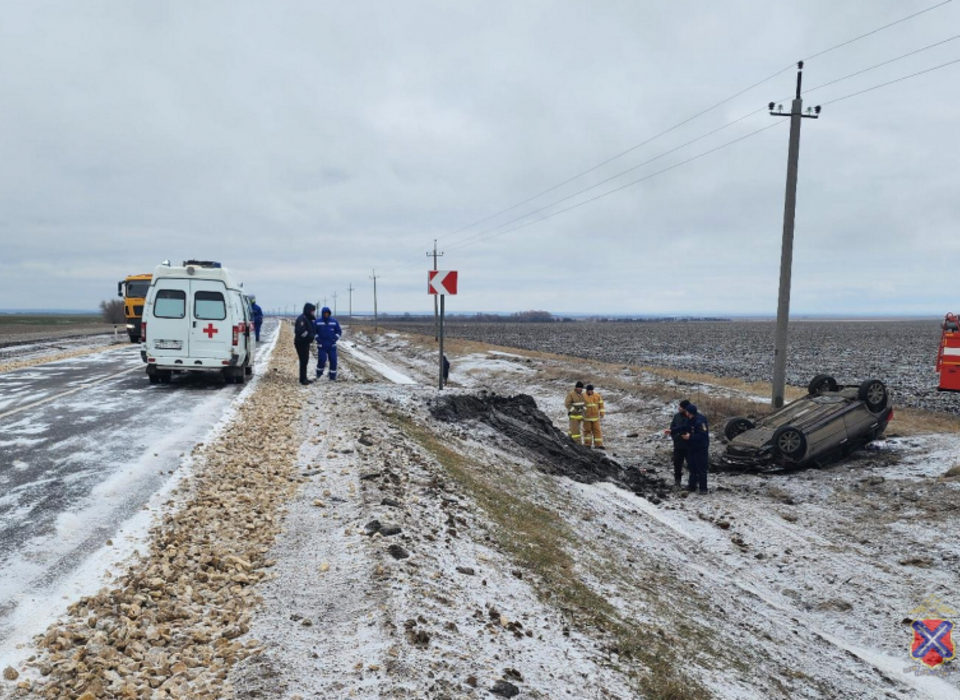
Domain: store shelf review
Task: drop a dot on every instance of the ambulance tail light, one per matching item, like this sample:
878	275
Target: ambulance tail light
143	332
236	335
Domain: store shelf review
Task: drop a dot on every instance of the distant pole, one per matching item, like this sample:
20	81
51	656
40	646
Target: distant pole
350	289
440	336
435	255
334	303
786	254
376	318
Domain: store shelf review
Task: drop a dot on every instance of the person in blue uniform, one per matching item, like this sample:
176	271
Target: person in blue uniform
697	436
304	331
257	317
328	333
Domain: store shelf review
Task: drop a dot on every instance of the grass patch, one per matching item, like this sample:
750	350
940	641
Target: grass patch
539	540
51	320
953	472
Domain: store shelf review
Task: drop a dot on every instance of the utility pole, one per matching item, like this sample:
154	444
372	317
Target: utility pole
350	289
334	304
786	254
435	255
376	320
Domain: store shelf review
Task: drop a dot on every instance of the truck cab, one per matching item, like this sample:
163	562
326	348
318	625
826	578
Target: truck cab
196	319
133	290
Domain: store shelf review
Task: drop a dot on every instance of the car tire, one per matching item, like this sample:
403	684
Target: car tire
790	442
165	376
248	370
240	377
873	393
154	379
736	426
821	383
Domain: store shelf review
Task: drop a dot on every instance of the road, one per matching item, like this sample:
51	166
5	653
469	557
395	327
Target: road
85	445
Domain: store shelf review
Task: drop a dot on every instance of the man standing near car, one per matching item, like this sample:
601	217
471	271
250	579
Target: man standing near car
304	331
328	333
697	435
677	426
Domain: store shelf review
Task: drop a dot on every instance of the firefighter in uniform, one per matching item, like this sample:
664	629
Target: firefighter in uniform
697	436
593	412
575	406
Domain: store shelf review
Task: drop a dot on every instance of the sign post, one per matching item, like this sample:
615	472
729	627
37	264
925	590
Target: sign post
441	282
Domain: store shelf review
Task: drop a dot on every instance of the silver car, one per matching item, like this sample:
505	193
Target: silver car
829	422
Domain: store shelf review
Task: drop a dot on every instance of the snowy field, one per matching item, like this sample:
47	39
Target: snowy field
901	353
430	559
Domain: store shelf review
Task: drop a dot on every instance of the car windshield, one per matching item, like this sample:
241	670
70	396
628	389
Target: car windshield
137	289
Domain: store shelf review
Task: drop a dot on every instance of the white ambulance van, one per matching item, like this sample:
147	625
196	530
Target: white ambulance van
196	319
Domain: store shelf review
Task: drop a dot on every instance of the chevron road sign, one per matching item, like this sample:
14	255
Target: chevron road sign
442	282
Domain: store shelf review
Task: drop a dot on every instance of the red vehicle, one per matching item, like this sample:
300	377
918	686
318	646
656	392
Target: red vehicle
948	357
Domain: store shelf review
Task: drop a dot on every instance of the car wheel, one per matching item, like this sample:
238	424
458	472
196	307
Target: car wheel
736	426
873	393
154	379
821	383
790	442
165	376
240	377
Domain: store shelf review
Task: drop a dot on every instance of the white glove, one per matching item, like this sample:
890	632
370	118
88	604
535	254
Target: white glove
305	334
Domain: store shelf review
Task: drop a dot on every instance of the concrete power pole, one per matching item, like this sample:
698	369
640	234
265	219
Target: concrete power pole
786	254
376	318
334	304
436	313
350	289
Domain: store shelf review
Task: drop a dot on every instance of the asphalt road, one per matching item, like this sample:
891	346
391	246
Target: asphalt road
85	444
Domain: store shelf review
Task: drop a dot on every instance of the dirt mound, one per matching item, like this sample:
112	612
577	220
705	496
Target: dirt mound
518	418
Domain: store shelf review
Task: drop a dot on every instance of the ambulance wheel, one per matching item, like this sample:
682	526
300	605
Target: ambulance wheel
248	370
820	384
154	379
165	376
240	377
227	377
873	393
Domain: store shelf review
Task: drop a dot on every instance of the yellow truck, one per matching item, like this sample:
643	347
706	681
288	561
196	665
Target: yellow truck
133	289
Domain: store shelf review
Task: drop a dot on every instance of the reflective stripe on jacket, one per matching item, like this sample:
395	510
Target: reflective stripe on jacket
575	405
594	407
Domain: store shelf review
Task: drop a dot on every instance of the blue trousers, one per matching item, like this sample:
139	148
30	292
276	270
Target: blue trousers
697	461
322	354
256	329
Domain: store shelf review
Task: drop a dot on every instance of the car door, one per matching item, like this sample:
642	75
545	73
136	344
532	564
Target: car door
168	319
211	332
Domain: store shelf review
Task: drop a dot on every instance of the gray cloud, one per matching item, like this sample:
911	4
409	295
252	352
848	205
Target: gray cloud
305	144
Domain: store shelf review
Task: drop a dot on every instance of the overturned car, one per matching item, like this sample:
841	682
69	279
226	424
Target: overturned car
829	422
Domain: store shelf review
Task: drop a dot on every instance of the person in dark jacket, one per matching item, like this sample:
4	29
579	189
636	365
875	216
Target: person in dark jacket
304	331
697	436
257	317
677	426
328	333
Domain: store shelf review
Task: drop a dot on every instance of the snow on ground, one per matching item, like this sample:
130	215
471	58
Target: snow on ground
834	558
397	575
87	544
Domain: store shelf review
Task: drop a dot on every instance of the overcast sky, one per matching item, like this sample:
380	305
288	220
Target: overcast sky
305	144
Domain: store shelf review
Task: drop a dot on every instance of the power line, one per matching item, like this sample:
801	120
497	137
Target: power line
696	157
612	177
884	63
891	82
695	116
692	141
878	29
623	187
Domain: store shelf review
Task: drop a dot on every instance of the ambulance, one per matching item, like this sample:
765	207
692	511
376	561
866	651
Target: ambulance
196	319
